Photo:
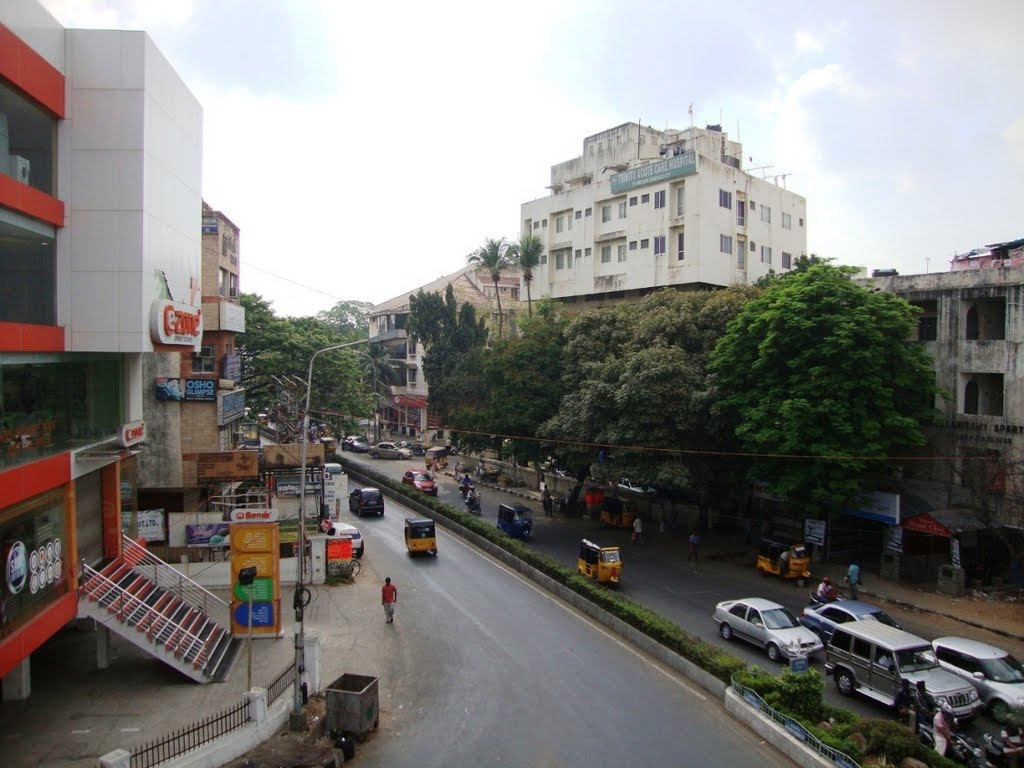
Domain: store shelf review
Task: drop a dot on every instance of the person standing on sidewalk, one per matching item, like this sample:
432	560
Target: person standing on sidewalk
694	541
853	578
388	597
638	530
549	503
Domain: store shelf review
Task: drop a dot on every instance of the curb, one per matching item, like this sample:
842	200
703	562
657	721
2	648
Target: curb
943	614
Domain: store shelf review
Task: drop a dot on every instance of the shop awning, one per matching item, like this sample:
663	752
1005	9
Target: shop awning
944	522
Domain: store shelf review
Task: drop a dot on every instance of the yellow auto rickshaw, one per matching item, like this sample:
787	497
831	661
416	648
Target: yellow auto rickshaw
615	514
787	559
420	536
440	455
602	564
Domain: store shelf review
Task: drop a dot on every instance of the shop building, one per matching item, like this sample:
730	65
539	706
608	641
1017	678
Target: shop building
100	204
643	209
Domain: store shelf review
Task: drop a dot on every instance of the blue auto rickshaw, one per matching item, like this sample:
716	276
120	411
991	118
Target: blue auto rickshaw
516	521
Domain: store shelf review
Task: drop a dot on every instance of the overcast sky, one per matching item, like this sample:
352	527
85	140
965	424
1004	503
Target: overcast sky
366	148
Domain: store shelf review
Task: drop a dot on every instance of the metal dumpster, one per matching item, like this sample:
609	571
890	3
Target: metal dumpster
352	704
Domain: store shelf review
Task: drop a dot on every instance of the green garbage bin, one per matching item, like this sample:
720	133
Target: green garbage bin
352	704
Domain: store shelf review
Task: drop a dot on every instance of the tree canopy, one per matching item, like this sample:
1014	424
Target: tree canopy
821	382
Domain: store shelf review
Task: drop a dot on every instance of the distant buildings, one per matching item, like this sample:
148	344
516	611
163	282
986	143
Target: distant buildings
643	209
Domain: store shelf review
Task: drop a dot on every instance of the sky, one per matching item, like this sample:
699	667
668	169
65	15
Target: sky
365	149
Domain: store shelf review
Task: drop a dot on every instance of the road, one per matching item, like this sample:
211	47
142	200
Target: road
686	593
484	668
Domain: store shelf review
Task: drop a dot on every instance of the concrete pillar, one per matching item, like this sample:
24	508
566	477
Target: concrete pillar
17	684
102	647
257	705
312	658
119	758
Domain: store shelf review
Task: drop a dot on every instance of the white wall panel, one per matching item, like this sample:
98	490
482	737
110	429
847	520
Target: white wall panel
36	27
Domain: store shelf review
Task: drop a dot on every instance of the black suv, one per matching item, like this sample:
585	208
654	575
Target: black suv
366	500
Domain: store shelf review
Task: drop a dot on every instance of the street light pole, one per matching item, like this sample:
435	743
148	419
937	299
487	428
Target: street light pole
296	719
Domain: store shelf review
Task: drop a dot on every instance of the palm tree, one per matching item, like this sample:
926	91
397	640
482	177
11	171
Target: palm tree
495	256
381	373
526	255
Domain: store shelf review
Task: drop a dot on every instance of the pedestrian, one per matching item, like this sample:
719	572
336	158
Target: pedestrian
388	598
904	705
638	530
434	467
548	502
694	541
853	578
924	704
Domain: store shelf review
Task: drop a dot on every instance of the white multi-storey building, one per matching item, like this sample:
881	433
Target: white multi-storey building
643	209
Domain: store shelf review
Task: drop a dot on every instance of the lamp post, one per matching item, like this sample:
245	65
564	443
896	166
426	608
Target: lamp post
296	719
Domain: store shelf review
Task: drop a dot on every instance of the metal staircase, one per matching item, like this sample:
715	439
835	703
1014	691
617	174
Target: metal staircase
157	608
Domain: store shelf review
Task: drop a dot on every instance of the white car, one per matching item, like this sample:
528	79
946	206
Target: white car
767	625
346	531
626	484
998	676
389	451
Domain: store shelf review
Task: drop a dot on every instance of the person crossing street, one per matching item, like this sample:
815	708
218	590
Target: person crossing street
388	597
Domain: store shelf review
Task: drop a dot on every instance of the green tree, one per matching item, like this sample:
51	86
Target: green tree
348	318
822	382
258	349
494	256
526	256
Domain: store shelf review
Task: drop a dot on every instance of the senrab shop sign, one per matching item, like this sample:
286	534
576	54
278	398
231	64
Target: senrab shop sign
171	322
131	434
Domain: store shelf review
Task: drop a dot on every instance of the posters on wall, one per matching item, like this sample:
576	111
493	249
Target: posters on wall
151	524
814	532
894	540
208	535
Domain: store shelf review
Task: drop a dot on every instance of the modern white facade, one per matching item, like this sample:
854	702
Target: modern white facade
643	209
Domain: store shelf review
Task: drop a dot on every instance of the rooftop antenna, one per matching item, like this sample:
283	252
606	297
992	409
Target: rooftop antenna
927	263
691	114
639	127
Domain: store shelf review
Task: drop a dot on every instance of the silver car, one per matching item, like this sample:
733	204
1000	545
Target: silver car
389	451
997	675
767	625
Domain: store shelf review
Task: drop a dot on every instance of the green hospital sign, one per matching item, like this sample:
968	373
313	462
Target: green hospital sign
663	170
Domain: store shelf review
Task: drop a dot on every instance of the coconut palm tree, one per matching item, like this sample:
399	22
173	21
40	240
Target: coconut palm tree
494	255
380	372
526	256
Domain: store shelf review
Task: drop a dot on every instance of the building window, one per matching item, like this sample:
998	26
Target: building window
568	221
766	253
622	252
645	243
579	254
928	329
205	361
632	200
659	199
725	243
787	221
741	255
622	209
579	214
766	214
753	247
412	377
544	224
632	245
659	244
680	242
752	207
741	213
543	258
801	222
787	260
606	254
536	225
725	199
589	212
560	260
586	252
559	224
681	200
606	213
645	198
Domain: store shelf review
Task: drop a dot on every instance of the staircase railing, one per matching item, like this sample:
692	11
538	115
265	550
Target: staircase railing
167	576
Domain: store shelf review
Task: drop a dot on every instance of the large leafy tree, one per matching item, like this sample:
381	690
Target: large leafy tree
526	256
821	382
494	256
348	318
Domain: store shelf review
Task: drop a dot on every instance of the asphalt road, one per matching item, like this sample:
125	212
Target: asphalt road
685	593
486	669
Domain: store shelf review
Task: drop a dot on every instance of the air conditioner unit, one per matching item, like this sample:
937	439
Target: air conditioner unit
20	168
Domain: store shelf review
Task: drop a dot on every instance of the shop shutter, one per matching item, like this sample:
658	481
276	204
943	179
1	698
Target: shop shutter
89	514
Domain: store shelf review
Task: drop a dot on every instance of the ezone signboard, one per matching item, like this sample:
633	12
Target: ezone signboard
201	389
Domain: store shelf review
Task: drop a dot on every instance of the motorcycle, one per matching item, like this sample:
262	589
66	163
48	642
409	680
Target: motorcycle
817	600
473	502
1006	748
961	748
466	487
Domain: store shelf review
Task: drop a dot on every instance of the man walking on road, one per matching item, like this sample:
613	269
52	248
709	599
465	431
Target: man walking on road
388	597
638	530
694	541
853	578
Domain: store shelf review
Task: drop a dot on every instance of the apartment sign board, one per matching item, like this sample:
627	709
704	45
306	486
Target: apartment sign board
653	173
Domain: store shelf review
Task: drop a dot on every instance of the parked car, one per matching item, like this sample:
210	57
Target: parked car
390	451
625	484
346	531
823	619
421	481
872	658
356	444
997	676
366	501
767	625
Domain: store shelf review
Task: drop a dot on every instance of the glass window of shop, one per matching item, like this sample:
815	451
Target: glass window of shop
33	544
28	141
48	407
27	273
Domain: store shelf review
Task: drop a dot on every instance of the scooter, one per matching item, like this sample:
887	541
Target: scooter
961	748
473	502
1005	748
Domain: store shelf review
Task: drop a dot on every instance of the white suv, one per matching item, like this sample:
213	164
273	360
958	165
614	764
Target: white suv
997	675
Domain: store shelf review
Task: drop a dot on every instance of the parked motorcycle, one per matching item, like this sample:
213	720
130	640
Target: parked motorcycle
961	747
1006	748
473	502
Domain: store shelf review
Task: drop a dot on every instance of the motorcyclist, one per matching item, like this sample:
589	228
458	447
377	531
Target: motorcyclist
472	500
466	486
942	727
826	592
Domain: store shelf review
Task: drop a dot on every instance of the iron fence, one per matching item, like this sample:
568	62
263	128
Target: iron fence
281	684
191	737
794	728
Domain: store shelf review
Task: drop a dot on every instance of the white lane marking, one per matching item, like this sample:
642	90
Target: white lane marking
81	731
670	674
130	730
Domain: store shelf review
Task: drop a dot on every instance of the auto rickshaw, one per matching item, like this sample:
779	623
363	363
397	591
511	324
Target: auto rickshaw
420	536
440	455
615	514
602	564
787	559
515	520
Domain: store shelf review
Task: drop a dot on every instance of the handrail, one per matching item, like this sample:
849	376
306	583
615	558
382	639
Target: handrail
170	578
91	576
